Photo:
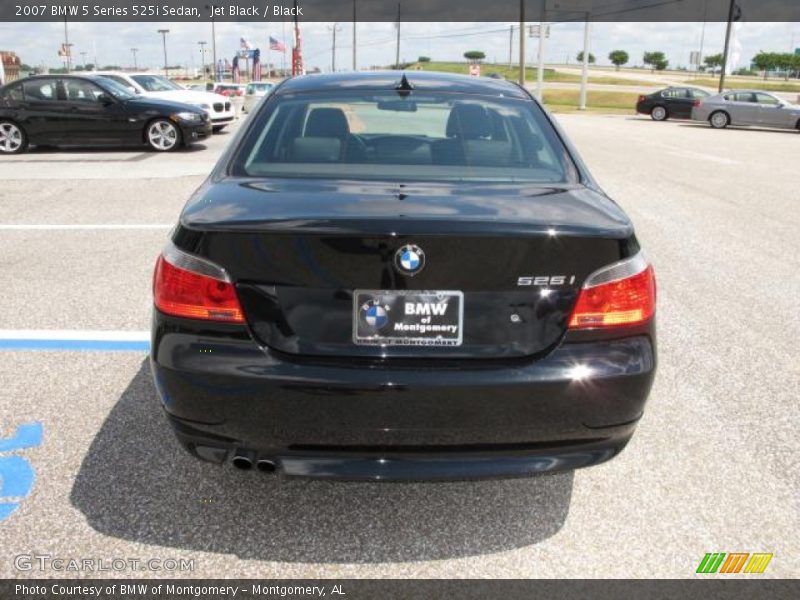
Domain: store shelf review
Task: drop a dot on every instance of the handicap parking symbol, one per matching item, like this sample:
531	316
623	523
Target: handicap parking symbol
16	472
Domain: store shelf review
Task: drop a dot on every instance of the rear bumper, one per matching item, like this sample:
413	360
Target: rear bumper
361	419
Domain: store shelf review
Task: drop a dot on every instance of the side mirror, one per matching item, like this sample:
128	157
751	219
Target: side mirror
105	99
132	89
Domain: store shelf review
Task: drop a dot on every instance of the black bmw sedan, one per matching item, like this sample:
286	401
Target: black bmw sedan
397	277
72	110
672	102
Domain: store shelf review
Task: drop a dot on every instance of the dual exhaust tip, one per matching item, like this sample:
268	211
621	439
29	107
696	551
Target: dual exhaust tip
246	460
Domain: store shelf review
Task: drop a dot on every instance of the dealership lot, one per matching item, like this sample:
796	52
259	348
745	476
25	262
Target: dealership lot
712	467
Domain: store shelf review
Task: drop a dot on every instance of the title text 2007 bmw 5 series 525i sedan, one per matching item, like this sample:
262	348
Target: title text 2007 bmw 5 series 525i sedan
403	277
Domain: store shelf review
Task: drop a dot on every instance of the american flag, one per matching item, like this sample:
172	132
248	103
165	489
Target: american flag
245	44
276	45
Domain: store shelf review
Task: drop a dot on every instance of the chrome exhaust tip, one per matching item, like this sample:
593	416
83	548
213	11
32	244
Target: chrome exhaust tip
266	465
243	459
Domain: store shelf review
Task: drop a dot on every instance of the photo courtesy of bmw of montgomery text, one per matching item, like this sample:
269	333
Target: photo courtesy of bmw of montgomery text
393	276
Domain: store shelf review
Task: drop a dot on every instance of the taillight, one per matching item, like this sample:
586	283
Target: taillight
619	295
192	287
642	97
697	103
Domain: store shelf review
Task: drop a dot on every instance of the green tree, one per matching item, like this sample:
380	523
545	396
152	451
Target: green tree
786	62
766	61
713	61
617	58
580	57
474	55
424	59
655	60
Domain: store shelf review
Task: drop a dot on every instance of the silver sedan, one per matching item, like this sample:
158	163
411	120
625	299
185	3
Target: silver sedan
747	107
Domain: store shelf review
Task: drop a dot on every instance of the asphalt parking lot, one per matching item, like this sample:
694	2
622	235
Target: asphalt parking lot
712	468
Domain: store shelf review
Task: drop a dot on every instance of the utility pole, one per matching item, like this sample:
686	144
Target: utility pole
203	57
211	7
510	45
731	10
540	67
585	66
702	36
67	46
83	56
335	28
522	43
355	66
397	53
135	65
164	33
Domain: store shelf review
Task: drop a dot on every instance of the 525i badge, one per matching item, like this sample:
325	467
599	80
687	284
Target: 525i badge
546	280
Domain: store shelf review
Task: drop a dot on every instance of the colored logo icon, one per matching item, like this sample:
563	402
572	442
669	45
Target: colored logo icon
734	562
410	259
375	314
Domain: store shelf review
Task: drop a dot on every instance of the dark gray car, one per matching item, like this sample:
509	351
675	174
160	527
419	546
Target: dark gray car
747	107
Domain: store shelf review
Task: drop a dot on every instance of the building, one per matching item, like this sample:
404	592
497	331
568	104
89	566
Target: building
11	64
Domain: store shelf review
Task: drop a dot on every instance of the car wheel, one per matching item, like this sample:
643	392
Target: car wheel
163	135
217	128
659	113
719	120
12	138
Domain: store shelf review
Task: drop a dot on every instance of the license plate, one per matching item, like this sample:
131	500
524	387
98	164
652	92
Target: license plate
407	318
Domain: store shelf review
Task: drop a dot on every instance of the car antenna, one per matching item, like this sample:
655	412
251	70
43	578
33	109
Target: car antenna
403	87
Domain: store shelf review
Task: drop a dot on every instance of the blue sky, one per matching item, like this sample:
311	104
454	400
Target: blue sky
37	43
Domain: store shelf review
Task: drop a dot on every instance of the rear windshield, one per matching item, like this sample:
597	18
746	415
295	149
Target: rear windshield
420	136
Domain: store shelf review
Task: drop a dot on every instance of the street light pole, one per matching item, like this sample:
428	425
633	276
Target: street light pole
164	33
522	43
203	57
135	65
335	28
585	66
67	46
731	10
355	67
540	67
83	56
397	52
211	7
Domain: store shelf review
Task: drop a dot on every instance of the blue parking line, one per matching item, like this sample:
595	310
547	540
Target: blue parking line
16	472
76	345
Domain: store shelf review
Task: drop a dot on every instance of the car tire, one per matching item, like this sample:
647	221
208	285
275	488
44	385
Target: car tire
217	128
13	139
659	113
719	120
162	135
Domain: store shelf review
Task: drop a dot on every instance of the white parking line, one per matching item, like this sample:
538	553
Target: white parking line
87	227
74	334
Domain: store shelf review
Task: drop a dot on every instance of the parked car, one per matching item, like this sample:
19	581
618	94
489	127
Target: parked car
219	109
72	110
229	89
197	87
747	107
409	276
672	102
254	92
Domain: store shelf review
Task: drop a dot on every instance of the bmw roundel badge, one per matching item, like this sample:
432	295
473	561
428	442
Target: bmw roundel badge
410	259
